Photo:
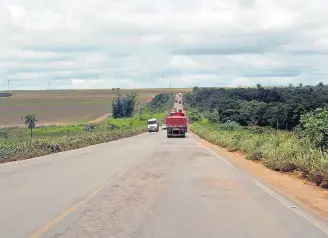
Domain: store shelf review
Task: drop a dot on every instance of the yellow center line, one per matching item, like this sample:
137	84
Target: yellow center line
64	214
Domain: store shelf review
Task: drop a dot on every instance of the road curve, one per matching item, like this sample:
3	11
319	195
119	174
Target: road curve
144	186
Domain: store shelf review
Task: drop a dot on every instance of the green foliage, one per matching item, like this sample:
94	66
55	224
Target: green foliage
161	102
90	127
314	125
278	151
213	117
30	120
11	150
124	107
3	135
128	104
117	108
274	107
230	125
194	115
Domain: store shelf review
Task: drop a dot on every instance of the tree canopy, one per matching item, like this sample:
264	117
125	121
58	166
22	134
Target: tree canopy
124	106
278	106
160	102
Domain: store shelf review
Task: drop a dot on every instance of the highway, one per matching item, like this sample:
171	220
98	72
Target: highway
145	186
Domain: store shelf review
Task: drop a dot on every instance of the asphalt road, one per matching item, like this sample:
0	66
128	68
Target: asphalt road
144	186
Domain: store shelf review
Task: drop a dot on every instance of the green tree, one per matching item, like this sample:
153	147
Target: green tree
30	121
117	109
124	107
314	125
254	112
194	115
128	105
213	117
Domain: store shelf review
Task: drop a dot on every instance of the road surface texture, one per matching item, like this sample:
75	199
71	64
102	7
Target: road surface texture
144	186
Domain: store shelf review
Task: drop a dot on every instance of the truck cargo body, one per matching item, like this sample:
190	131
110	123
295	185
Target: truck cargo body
176	126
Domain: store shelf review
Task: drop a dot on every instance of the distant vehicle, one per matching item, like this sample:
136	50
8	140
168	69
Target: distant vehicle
164	127
176	125
153	125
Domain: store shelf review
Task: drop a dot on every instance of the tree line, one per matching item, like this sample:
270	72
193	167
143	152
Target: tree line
125	106
279	107
160	102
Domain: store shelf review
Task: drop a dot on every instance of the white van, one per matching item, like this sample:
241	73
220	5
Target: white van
153	125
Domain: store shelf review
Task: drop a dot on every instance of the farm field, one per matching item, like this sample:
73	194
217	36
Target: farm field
60	107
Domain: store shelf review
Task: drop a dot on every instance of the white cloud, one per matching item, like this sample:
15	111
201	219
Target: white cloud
135	43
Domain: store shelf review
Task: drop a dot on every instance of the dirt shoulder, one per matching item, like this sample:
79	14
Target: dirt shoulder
291	185
101	118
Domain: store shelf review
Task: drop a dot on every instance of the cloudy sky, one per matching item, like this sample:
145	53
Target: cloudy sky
146	43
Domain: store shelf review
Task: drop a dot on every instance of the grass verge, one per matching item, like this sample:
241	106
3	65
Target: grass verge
15	143
11	150
278	151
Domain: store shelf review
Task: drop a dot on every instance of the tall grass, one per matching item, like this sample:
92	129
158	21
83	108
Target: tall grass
16	144
11	149
278	151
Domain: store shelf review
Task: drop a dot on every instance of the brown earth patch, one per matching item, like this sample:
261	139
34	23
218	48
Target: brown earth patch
101	118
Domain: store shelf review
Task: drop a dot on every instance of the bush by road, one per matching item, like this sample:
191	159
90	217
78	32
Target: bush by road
11	149
279	151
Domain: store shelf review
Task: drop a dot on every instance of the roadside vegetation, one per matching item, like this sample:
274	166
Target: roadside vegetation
32	141
295	142
275	107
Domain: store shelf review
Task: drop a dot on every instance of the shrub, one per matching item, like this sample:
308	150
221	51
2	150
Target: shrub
279	151
230	125
194	115
3	135
314	125
90	127
11	150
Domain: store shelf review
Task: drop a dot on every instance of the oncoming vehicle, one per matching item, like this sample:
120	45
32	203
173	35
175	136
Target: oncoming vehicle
164	127
153	125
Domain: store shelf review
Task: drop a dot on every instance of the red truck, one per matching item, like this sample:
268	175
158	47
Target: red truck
176	124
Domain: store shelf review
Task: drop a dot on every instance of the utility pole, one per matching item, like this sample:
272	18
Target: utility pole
8	84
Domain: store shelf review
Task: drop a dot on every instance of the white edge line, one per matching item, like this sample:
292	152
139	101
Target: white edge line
219	157
307	216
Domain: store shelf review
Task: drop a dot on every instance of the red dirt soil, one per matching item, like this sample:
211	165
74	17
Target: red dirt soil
291	185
